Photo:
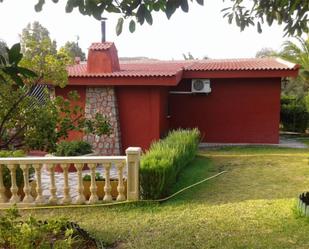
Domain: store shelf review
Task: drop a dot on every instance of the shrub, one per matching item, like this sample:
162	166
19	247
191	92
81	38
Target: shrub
73	148
161	165
31	233
19	172
294	115
98	177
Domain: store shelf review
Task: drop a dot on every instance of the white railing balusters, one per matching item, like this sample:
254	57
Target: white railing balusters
53	189
27	190
39	190
130	163
66	188
80	187
107	187
93	187
120	187
3	198
14	189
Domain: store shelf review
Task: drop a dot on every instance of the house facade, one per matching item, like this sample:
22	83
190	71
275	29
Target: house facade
230	101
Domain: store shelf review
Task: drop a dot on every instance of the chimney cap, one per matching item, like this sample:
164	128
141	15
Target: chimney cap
101	45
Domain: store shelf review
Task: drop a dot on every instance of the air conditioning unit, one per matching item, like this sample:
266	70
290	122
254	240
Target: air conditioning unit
200	86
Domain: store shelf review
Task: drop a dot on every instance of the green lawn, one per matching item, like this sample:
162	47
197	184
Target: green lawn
251	206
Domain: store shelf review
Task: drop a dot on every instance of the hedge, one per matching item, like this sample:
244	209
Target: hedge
161	164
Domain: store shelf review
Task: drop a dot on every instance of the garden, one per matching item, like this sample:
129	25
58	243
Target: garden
250	206
248	201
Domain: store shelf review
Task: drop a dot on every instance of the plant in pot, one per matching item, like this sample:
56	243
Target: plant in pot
19	173
100	182
72	148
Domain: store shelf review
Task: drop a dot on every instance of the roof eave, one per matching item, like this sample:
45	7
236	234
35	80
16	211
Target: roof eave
172	80
241	74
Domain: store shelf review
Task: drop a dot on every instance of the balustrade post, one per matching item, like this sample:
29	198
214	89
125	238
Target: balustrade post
133	164
66	188
93	187
27	190
120	187
39	190
14	189
3	198
80	189
107	187
53	189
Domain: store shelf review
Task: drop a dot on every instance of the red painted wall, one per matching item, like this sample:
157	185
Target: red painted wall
236	111
81	90
142	114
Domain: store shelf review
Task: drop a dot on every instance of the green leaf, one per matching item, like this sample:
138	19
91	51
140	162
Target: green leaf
170	8
140	14
132	26
148	16
184	5
14	54
38	7
259	28
119	26
200	2
26	72
2	60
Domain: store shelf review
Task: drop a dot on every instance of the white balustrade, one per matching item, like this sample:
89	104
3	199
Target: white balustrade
32	192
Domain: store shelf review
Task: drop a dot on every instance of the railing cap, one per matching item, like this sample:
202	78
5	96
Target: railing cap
133	151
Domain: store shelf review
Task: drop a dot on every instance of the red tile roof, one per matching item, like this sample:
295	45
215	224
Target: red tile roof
241	64
101	46
132	69
171	68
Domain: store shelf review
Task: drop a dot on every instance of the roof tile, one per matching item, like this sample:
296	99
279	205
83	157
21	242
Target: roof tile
171	68
101	46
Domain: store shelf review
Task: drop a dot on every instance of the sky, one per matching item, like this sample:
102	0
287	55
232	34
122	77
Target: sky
202	32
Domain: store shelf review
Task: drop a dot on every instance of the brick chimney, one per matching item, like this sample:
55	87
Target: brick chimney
102	58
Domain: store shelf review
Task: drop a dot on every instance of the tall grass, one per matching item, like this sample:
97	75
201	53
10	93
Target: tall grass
161	165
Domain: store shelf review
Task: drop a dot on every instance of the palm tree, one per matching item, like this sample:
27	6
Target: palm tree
297	51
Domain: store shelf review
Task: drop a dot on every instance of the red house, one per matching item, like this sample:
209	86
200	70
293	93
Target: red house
230	101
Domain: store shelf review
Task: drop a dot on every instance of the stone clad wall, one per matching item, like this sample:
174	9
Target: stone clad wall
103	100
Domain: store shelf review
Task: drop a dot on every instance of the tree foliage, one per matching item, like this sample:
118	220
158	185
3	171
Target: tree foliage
74	50
293	14
40	55
266	52
26	122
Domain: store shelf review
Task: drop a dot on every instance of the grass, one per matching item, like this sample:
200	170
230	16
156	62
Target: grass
251	206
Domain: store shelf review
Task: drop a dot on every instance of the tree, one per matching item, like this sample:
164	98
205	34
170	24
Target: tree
25	121
74	50
2	48
297	51
265	53
40	55
293	14
189	56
